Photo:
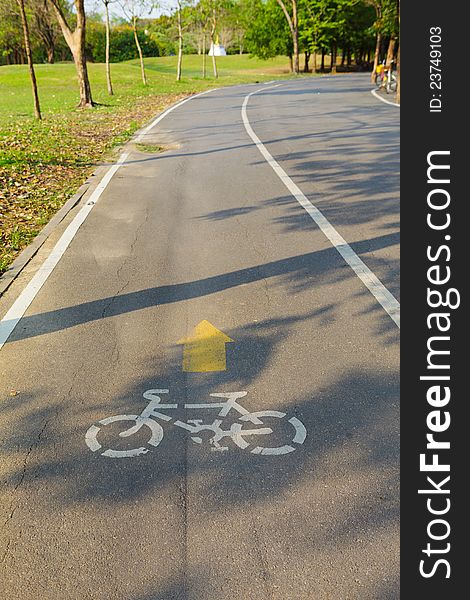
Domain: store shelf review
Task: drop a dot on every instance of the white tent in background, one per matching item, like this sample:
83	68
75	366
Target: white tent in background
217	49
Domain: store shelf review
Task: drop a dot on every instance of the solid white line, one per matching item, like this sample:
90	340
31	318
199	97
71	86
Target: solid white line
19	307
374	93
371	281
21	304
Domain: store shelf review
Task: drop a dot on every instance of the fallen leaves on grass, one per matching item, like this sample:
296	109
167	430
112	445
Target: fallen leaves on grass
43	164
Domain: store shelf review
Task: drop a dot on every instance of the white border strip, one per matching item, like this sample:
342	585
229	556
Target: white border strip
19	307
374	93
371	281
21	304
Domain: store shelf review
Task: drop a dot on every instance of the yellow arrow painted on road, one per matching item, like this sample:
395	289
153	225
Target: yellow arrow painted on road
204	350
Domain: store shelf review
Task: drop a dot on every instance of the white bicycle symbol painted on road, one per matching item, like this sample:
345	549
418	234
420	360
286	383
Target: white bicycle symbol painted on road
237	433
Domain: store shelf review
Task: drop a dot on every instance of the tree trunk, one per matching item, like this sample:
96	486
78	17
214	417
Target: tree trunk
295	36
295	39
294	29
76	42
139	50
322	67
49	44
398	76
45	29
180	43
214	63
204	56
390	52
27	45
378	43
333	59
307	58
108	68
314	68
83	81
214	25
291	63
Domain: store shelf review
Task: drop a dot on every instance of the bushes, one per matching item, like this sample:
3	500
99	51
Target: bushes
122	43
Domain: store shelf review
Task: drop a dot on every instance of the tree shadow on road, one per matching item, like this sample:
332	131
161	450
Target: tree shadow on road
338	490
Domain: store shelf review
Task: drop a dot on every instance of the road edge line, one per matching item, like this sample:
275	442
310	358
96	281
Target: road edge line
15	313
374	93
21	304
385	298
29	252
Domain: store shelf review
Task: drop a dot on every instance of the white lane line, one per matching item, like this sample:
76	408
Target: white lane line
21	304
374	93
370	280
19	307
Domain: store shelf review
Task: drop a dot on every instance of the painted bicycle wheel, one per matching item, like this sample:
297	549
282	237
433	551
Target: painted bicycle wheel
299	433
156	435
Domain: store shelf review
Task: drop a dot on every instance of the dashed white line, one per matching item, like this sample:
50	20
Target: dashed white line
370	280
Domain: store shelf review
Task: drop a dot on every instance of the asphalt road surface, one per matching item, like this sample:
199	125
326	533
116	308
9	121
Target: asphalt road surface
202	237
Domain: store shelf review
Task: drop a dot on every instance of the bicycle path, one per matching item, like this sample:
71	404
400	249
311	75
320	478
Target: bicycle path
207	231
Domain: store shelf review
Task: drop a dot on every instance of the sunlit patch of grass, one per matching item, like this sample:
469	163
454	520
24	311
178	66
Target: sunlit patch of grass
150	148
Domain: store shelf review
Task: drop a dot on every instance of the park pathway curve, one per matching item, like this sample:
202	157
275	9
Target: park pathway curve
198	272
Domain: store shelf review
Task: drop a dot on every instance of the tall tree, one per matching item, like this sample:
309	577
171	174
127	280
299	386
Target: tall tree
377	4
45	27
214	16
76	42
386	25
11	46
134	10
210	12
268	34
180	40
293	22
200	20
27	45
239	17
108	35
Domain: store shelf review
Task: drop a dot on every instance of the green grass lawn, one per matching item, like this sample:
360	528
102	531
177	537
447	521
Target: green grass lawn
58	89
43	163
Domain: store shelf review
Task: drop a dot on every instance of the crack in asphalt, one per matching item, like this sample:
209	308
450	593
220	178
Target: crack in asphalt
115	351
14	504
262	551
35	444
251	241
122	265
